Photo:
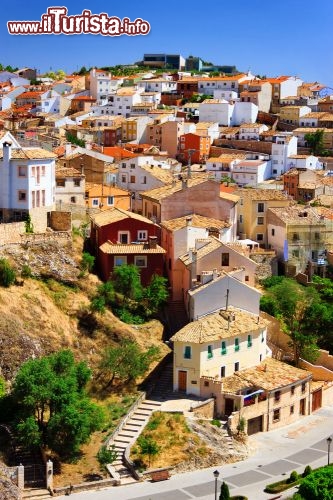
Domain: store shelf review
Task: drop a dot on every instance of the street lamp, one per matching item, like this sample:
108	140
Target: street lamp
328	440
216	475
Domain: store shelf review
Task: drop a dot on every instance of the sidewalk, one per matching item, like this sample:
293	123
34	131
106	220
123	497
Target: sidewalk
277	454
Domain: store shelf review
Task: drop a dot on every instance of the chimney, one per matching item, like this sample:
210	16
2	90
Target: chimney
189	220
68	149
193	258
7	151
152	242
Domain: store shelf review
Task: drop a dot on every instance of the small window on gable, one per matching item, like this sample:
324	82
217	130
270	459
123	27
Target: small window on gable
209	351
187	352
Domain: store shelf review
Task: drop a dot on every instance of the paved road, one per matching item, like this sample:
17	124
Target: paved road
277	454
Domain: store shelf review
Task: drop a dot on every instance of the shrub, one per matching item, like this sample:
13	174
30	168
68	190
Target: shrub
216	422
241	424
7	273
307	471
87	262
26	271
293	477
106	456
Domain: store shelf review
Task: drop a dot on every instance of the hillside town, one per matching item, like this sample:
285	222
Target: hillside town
219	183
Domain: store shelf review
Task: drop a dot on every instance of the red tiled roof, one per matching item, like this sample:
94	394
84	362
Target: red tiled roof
118	152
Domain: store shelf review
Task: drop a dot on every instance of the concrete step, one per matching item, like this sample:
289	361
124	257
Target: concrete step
127	433
35	494
138	418
132	425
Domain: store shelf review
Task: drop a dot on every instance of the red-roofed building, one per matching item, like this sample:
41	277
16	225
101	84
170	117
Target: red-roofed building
82	103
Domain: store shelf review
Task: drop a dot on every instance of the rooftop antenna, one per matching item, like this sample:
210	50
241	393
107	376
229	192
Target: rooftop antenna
227	301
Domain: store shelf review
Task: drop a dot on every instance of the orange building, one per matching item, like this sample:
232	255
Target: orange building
104	197
199	145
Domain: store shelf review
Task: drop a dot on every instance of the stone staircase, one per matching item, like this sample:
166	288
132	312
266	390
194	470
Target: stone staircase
128	433
35	494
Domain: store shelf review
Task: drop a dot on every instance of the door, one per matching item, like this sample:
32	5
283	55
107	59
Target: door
228	406
316	400
254	425
182	381
302	407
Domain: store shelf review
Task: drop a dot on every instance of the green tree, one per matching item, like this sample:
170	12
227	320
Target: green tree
127	282
126	362
155	294
2	387
75	140
29	227
292	303
52	406
315	141
225	493
318	485
148	446
87	262
7	273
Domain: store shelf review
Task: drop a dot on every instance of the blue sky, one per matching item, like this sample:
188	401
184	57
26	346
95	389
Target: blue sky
281	37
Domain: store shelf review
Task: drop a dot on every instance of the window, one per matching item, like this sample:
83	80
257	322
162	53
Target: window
132	165
73	199
247	278
260	221
22	195
123	165
123	178
95	202
22	171
43	170
295	237
132	179
273	232
223	347
261	207
120	260
236	344
77	182
225	259
292	409
142	235
292	390
206	383
123	237
140	260
60	182
249	341
209	351
110	200
260	237
187	352
144	180
240	219
317	236
262	337
276	415
303	387
277	395
237	366
222	371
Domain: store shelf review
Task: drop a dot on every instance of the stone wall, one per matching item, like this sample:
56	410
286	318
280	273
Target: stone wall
204	409
267	264
220	145
11	232
60	221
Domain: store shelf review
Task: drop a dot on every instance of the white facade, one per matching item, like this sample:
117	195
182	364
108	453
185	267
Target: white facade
251	131
283	147
100	84
216	110
288	87
158	85
303	161
212	297
27	182
251	172
227	95
208	85
244	112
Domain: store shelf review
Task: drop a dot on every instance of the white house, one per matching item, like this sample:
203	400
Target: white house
304	161
27	182
244	112
251	131
216	110
142	173
227	95
209	85
158	85
251	172
284	145
100	84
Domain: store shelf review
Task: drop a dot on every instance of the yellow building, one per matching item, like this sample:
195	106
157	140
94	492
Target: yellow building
252	212
292	114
